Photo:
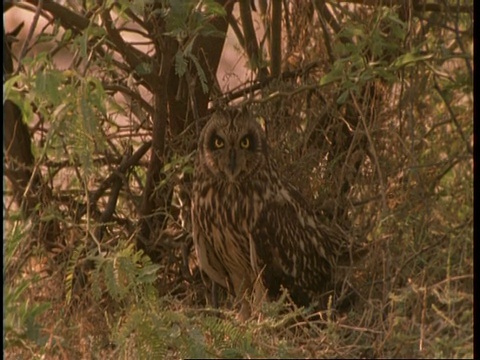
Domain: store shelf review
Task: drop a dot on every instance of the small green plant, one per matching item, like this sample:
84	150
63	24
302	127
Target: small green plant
21	325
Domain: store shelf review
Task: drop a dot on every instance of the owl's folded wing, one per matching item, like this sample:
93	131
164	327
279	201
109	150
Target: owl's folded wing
292	249
207	258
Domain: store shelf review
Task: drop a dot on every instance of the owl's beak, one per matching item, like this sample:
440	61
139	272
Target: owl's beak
232	164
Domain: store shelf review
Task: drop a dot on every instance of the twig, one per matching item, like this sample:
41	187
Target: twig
251	44
276	38
453	117
122	168
326	37
135	96
236	29
325	15
417	6
30	32
453	278
112	200
460	44
131	55
235	94
278	94
372	149
68	18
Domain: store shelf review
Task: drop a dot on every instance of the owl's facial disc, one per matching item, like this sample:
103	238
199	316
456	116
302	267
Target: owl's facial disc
232	157
233	147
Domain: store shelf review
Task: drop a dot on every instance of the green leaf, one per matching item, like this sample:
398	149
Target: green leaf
180	63
201	74
143	68
214	8
209	30
47	85
148	274
333	76
410	58
67	35
385	74
342	99
15	95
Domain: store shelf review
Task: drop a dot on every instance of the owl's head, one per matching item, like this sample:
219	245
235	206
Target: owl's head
232	146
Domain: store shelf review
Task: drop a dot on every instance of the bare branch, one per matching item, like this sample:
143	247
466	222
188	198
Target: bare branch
30	32
417	5
122	169
245	90
251	38
131	55
276	38
453	117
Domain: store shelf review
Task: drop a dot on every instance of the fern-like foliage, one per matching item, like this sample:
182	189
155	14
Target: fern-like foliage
125	274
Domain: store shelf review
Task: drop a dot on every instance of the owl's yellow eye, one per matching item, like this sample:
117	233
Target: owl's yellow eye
218	143
245	142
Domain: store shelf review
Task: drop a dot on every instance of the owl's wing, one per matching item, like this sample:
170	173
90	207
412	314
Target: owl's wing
292	248
207	258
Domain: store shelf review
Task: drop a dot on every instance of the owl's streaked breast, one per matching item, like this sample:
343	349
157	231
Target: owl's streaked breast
233	207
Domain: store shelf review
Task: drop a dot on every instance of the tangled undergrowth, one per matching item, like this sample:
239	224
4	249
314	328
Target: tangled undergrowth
379	141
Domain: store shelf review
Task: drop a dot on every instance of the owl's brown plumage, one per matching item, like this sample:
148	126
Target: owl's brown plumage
250	224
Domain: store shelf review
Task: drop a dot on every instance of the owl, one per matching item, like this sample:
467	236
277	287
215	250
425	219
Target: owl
253	232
